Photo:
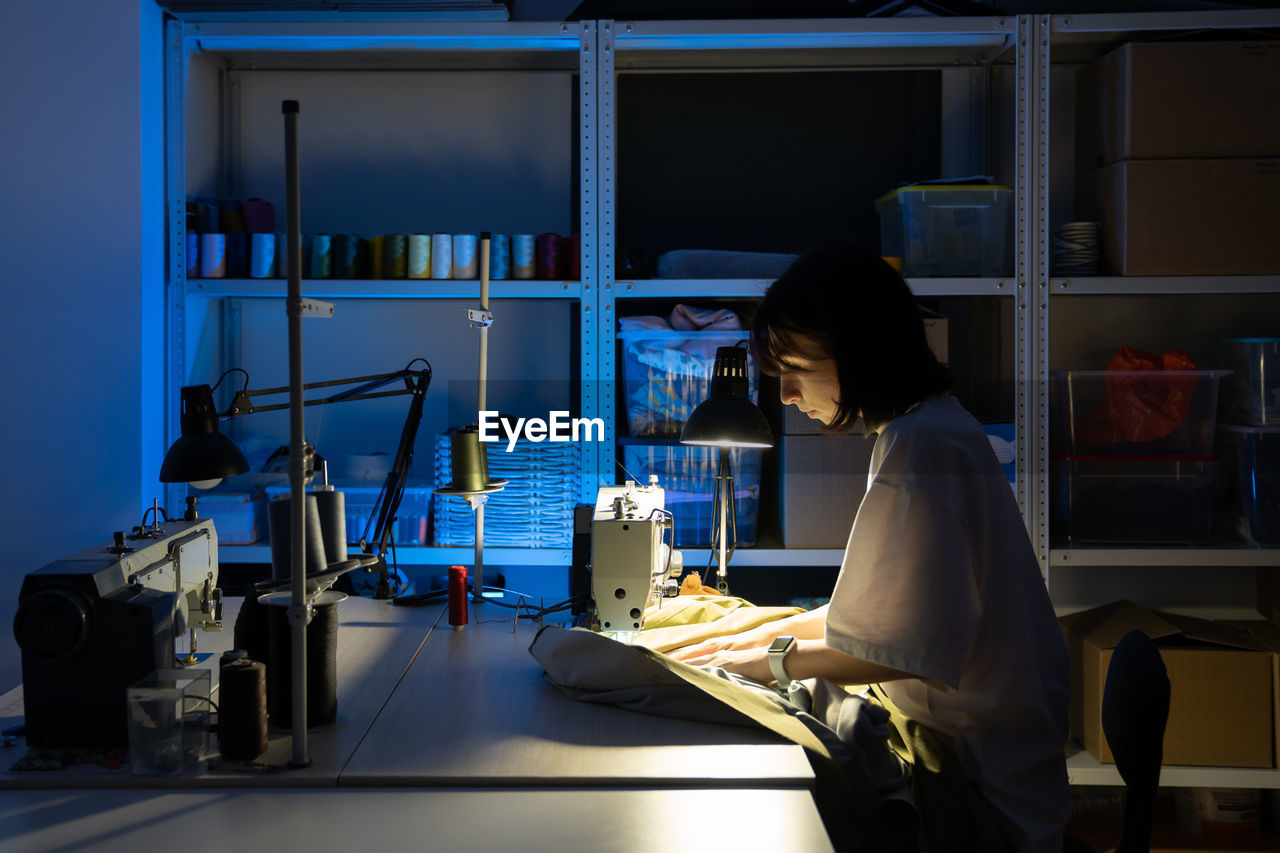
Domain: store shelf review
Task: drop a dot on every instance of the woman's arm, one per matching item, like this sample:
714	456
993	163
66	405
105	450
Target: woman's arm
810	625
808	659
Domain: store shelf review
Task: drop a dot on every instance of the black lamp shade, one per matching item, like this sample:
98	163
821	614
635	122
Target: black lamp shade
728	418
201	453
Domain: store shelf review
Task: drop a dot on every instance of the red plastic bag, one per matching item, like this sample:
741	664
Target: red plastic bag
1141	409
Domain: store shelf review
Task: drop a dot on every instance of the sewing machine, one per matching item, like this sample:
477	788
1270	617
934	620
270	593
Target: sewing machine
631	564
94	623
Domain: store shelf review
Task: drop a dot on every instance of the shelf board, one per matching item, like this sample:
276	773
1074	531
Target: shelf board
1081	38
431	556
812	43
1084	769
754	288
401	43
698	557
1161	285
343	288
1225	555
423	556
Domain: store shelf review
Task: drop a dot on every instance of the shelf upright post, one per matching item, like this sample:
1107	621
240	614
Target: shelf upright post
176	214
601	472
1032	301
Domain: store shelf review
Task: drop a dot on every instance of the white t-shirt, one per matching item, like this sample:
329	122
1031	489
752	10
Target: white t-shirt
939	579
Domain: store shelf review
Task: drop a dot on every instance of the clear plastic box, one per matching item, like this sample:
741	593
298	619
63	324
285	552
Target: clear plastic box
1134	501
1251	477
1251	395
959	230
667	374
168	712
687	475
412	523
240	518
1135	413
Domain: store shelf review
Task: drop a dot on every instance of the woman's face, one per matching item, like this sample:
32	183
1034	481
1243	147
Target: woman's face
811	385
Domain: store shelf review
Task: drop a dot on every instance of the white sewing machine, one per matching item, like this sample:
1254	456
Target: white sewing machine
631	564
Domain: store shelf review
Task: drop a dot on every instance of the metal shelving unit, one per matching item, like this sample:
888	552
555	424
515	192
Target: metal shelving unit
971	45
239	45
1076	39
597	51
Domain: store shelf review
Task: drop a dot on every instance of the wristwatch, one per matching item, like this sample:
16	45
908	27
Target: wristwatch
777	657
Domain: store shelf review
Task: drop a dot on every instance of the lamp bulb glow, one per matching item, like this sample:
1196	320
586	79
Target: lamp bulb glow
205	484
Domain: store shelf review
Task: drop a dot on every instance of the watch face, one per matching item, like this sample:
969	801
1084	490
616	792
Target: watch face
781	644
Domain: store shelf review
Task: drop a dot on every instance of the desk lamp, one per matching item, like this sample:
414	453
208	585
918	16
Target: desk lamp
725	420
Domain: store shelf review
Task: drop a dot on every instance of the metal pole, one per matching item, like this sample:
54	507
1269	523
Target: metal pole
481	405
298	608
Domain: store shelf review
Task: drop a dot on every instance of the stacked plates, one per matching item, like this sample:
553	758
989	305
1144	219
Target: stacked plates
1075	249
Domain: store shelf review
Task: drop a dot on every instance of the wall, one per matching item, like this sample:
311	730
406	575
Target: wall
82	209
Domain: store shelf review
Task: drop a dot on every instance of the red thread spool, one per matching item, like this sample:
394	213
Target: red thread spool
547	257
457	596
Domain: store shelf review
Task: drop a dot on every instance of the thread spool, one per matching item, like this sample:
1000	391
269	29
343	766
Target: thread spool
213	255
259	215
548	258
193	255
283	256
457	596
237	254
522	256
322	660
242	706
331	510
465	258
280	534
499	257
441	256
346	256
321	256
375	255
262	255
395	255
467	459
419	256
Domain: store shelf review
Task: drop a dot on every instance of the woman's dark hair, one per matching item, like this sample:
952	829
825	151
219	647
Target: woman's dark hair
856	309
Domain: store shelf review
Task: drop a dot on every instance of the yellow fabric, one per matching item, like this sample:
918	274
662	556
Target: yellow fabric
687	619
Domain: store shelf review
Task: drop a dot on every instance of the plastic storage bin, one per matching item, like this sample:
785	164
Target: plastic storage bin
1251	478
1135	413
1134	501
239	518
666	375
412	517
688	476
412	521
1251	394
962	230
534	509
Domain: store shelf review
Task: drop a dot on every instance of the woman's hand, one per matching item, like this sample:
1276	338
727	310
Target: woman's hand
756	637
753	662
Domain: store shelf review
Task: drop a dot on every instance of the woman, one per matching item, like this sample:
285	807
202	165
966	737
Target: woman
939	600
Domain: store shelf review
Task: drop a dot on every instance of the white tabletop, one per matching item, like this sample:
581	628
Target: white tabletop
403	819
474	709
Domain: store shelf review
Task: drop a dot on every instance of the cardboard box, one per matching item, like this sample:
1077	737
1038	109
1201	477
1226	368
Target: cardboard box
822	481
795	422
1185	217
1268	635
1221	685
1178	100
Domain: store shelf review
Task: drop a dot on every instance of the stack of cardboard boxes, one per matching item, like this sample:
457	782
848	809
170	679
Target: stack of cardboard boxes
1178	157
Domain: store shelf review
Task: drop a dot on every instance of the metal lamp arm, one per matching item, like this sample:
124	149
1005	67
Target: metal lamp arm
243	404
